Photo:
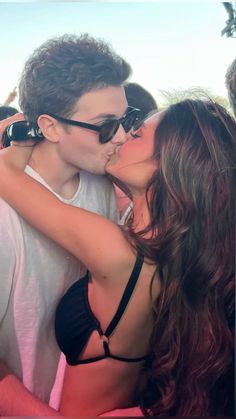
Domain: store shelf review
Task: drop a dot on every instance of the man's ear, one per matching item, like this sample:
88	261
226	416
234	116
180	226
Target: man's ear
50	128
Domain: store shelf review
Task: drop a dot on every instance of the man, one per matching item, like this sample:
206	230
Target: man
80	79
230	81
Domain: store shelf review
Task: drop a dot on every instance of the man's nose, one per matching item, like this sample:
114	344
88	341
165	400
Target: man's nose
120	136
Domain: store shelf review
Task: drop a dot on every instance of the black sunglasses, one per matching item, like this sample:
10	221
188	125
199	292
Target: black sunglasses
108	129
21	131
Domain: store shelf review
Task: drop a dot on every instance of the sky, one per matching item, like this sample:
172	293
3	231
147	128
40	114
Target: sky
169	44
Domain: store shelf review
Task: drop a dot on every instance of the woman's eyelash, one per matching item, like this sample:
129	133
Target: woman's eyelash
135	135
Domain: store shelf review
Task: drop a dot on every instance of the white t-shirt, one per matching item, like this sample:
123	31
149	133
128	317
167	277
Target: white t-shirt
126	214
34	274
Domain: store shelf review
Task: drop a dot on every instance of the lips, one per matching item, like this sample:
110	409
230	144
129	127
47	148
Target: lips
113	153
109	155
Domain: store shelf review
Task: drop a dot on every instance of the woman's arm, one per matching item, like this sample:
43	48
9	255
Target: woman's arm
11	96
16	400
96	241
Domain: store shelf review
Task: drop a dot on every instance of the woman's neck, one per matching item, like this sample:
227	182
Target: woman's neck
141	212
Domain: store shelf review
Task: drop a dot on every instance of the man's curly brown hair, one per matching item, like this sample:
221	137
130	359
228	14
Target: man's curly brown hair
62	69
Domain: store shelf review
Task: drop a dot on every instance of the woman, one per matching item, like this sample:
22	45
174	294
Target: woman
169	347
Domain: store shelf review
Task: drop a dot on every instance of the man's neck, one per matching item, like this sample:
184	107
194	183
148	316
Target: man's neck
61	177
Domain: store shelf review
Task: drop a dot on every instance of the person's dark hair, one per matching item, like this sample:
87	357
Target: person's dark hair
6	111
230	81
192	207
63	69
140	98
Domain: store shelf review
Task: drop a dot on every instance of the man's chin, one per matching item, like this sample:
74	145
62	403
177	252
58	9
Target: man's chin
106	167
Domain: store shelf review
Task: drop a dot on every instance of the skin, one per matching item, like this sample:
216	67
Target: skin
134	165
92	389
70	148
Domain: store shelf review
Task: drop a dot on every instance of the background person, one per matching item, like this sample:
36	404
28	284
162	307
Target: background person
230	81
6	111
11	97
171	272
138	97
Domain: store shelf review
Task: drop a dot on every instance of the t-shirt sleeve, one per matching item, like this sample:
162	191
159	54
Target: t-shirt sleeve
123	220
7	260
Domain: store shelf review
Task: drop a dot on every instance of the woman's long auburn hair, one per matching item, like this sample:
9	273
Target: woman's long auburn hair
192	209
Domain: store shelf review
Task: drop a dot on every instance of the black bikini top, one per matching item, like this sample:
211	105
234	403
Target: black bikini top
75	320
